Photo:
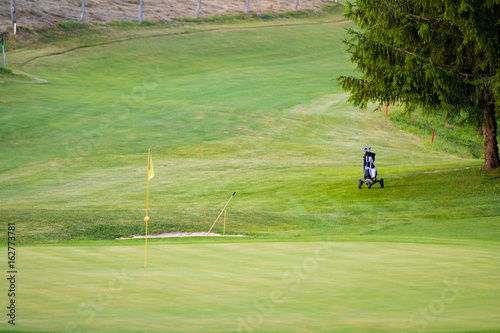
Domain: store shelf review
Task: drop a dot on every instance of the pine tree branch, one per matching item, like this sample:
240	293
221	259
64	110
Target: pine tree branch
423	59
419	17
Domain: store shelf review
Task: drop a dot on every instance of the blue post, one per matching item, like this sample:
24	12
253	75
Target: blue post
3	52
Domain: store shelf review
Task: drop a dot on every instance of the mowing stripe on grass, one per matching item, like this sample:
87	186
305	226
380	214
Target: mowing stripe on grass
269	287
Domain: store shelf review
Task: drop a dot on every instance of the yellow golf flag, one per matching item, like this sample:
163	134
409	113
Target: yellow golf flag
151	169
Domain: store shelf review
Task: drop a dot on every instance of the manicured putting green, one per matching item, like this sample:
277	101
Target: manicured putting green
265	287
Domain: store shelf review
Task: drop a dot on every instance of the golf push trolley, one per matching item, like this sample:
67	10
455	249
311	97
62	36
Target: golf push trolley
369	170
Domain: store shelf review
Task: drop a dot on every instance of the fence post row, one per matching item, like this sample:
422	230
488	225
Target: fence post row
198	10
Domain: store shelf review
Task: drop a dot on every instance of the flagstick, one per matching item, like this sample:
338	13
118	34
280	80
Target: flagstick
222	211
146	219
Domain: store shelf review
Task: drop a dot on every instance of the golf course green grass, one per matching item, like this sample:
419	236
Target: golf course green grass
252	108
267	287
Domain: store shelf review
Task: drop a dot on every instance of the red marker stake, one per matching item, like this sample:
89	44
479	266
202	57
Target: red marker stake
432	140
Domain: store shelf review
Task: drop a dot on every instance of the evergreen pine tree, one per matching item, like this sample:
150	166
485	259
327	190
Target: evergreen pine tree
433	54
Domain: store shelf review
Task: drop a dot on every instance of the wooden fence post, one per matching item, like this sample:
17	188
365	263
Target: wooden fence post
13	15
83	11
141	11
247	7
198	9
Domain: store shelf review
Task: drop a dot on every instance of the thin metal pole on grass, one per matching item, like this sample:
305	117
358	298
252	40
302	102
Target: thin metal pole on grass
222	211
141	11
3	53
13	14
247	7
198	9
151	174
83	11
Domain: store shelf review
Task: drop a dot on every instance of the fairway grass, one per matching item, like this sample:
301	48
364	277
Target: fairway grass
263	287
251	108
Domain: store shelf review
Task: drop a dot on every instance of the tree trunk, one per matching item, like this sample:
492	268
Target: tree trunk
491	159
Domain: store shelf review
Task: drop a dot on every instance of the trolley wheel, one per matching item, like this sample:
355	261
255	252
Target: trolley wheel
360	184
369	185
382	183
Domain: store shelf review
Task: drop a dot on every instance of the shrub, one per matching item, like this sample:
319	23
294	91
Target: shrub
331	9
5	71
189	19
267	16
72	25
114	23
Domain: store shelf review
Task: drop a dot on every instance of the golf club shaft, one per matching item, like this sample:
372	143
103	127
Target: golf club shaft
222	211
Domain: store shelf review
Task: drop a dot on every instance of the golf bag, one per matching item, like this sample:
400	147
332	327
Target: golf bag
369	170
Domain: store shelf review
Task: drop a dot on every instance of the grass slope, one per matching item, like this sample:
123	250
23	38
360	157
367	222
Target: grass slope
254	111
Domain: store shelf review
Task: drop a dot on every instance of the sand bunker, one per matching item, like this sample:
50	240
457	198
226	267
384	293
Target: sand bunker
181	234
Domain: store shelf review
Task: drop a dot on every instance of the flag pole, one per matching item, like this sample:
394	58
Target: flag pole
146	219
